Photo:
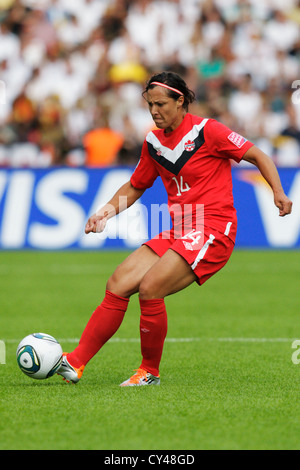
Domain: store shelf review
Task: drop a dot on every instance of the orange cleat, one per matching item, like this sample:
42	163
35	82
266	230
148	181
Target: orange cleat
141	377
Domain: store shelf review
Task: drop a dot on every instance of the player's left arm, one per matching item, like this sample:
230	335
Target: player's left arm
269	171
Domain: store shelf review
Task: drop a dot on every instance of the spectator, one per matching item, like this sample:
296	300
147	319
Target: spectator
102	145
245	104
63	63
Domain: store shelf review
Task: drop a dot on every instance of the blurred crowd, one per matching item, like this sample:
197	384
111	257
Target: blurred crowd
72	73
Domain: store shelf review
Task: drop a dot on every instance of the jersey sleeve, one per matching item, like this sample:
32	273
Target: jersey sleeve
145	172
222	142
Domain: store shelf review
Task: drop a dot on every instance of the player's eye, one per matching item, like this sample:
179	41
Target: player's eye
156	104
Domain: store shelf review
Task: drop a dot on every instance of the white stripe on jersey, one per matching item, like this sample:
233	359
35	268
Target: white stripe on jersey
173	155
202	252
228	227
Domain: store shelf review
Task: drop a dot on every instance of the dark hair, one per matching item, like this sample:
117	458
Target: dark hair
173	80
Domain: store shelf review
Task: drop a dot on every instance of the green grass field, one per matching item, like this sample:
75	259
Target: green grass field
228	380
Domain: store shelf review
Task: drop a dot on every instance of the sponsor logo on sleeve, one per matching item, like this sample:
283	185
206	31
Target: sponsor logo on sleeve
237	139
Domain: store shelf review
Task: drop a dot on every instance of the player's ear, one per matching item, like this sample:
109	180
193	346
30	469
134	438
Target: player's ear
180	102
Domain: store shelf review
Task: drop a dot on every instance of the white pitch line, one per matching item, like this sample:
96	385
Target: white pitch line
177	340
256	340
196	340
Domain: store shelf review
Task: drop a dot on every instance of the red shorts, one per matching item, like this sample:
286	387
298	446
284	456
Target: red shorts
205	254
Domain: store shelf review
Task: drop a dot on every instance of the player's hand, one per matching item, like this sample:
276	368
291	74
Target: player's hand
96	223
284	205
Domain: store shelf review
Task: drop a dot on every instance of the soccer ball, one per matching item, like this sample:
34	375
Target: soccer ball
39	356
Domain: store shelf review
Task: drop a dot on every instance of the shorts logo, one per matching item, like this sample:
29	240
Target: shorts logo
188	246
193	242
189	146
237	139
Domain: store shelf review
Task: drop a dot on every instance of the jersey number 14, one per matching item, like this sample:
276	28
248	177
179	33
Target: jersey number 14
181	187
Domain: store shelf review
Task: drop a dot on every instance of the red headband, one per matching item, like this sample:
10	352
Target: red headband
167	86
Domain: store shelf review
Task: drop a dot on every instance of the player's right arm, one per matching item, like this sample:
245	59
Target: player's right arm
142	178
123	198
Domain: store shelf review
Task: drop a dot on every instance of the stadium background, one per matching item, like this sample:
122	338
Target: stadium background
72	74
70	68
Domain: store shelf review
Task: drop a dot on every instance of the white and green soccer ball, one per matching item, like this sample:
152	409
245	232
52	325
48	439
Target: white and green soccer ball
39	356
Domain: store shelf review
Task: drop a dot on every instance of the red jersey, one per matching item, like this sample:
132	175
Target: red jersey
193	162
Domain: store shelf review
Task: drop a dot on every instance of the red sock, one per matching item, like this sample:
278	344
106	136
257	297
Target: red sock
153	331
102	325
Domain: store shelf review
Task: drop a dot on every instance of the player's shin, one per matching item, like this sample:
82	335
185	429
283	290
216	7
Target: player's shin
103	324
153	331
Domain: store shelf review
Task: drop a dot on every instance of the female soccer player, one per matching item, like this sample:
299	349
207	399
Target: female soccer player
192	156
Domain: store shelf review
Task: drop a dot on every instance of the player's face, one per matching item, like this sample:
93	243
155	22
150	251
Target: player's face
166	112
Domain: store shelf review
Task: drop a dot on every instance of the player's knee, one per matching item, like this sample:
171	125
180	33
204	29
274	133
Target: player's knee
115	285
149	289
120	284
111	283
